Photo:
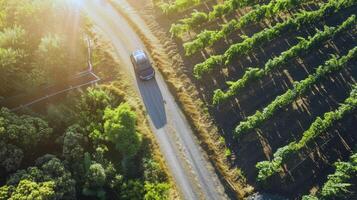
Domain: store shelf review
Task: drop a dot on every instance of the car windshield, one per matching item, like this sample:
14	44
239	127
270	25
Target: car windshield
142	62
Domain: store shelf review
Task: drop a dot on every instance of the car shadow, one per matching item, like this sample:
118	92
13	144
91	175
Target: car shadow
154	101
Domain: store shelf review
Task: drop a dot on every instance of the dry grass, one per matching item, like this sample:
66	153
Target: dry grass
122	87
168	61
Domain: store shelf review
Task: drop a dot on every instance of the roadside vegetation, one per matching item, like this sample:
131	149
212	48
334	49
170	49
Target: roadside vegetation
36	47
278	79
92	143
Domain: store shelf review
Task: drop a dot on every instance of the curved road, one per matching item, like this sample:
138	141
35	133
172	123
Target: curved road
192	172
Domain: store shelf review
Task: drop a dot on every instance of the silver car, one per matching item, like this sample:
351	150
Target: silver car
142	65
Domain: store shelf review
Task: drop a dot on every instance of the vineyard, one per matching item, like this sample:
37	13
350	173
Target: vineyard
278	78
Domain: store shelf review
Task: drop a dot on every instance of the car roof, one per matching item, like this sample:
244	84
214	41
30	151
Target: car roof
139	55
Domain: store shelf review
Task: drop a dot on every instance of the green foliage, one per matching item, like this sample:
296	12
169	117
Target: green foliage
318	127
10	74
96	175
90	111
156	191
103	63
132	190
10	156
48	169
153	172
227	152
255	15
177	6
198	18
120	128
332	65
309	197
37	46
100	174
53	56
73	151
5	191
95	180
14	38
54	170
92	104
87	161
19	134
61	115
23	131
33	47
28	14
202	68
251	74
229	6
28	190
303	47
338	185
303	18
186	24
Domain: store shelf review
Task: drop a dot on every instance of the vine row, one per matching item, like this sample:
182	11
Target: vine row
208	37
302	18
290	95
304	46
320	125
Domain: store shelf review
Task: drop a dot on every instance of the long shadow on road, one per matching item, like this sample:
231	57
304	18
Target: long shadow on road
154	102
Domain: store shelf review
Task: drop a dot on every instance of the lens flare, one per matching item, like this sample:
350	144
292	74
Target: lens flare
75	3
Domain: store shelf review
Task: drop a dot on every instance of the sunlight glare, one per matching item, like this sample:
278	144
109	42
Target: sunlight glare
76	3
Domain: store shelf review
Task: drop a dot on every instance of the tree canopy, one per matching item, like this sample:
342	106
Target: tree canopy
120	128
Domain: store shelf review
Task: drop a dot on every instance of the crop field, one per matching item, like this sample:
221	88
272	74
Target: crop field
278	77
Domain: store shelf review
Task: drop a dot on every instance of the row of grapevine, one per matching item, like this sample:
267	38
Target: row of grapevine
290	95
208	37
198	18
319	126
338	184
305	45
177	6
186	24
302	18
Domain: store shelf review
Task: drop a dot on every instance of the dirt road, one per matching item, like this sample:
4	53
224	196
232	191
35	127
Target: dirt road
187	162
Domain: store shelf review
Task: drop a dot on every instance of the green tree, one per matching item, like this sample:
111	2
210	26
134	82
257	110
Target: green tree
33	46
29	190
156	191
23	131
132	190
52	55
5	192
10	73
73	151
48	168
153	172
95	180
91	106
120	128
10	156
14	38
